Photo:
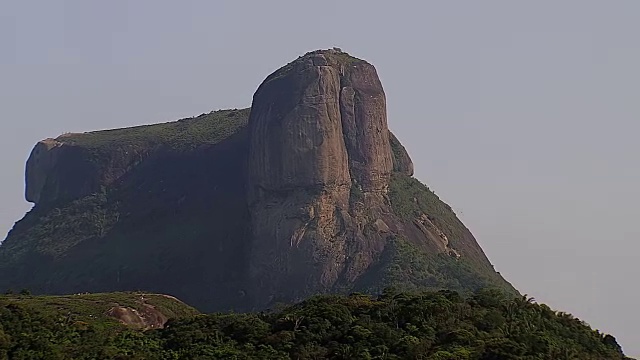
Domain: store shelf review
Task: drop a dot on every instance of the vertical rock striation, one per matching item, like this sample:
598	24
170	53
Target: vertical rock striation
319	168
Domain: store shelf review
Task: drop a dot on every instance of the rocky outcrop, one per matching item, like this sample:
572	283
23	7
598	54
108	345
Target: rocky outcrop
43	158
401	161
308	193
144	316
58	170
320	162
320	121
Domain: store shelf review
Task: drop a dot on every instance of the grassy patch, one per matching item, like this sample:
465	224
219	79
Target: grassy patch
92	308
54	231
181	135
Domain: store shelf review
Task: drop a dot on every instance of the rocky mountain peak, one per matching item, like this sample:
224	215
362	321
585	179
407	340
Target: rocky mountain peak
320	161
320	121
307	192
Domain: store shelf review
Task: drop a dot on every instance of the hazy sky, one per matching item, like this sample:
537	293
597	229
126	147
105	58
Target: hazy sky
521	115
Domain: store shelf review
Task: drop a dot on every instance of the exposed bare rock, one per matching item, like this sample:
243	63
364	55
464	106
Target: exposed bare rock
149	318
318	128
381	226
143	316
364	122
43	158
401	161
431	231
57	169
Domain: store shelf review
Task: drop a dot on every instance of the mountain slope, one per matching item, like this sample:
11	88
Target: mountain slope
308	192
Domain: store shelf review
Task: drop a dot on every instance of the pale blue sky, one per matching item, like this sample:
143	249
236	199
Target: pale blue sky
522	115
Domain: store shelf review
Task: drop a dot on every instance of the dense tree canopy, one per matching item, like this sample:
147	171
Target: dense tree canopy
395	325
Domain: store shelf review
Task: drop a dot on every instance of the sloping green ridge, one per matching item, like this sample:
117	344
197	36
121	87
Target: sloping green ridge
184	134
408	266
410	198
93	308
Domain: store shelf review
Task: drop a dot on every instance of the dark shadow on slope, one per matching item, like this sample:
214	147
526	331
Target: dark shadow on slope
179	227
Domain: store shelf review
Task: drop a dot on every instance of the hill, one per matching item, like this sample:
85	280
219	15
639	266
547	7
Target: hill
137	310
81	326
394	325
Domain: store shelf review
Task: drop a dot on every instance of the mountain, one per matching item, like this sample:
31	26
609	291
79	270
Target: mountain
307	192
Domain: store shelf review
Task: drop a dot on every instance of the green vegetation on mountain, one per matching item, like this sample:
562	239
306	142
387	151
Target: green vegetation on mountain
410	198
93	308
336	55
411	267
161	222
174	212
394	325
407	267
52	233
239	209
181	135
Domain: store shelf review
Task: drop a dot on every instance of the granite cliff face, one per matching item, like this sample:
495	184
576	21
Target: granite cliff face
59	170
309	193
43	158
318	132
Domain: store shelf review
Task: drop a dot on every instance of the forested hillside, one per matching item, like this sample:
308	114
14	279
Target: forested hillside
395	325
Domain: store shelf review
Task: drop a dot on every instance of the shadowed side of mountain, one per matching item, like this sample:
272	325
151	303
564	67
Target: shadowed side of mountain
174	222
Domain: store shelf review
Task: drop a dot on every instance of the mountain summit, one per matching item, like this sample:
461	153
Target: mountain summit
319	168
307	192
